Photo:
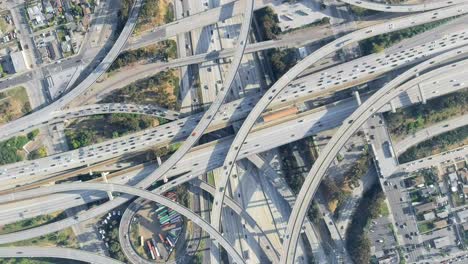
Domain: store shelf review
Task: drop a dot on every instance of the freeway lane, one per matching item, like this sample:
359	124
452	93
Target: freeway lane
429	132
343	75
404	8
99	109
338	44
210	114
350	126
54	252
42	115
200	159
108	187
252	227
357	71
194	21
433	88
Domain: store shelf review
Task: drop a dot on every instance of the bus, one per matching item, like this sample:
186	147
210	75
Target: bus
155	248
148	243
160	208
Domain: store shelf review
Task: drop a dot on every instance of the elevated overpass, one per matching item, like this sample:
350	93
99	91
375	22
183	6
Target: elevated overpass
383	7
282	83
42	115
201	159
318	119
349	128
55	252
108	187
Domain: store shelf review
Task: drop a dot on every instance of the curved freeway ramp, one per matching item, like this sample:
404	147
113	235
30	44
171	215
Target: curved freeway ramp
43	115
54	252
252	226
107	187
403	8
282	83
111	108
350	126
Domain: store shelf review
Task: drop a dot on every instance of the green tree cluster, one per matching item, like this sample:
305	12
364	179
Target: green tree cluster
357	241
38	153
9	149
152	90
282	61
268	23
81	138
358	170
164	50
437	144
411	119
109	126
33	134
123	13
380	42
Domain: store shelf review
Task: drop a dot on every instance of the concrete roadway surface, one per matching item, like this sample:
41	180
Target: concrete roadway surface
429	132
209	115
268	97
191	22
353	71
54	252
108	206
436	4
284	191
200	159
350	126
195	162
342	76
134	257
252	227
433	161
108	187
43	114
20	173
108	108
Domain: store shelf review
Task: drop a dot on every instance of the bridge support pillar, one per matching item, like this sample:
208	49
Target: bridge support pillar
421	92
104	179
357	97
392	106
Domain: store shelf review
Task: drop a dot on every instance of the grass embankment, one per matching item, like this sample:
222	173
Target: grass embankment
161	89
409	120
31	222
163	50
381	42
154	13
14	103
443	142
98	128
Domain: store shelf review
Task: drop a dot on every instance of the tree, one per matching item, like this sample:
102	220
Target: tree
38	153
33	134
376	48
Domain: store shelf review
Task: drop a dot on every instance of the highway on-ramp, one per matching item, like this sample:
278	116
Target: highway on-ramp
42	115
55	252
108	187
282	83
349	128
403	8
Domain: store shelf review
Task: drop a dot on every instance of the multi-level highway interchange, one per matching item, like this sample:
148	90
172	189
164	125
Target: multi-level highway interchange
251	164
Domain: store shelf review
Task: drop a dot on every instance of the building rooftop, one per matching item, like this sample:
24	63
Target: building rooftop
19	62
442	242
424	207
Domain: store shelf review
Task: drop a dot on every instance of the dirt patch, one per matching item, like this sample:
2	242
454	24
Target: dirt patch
14	103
